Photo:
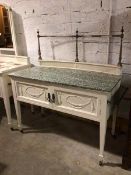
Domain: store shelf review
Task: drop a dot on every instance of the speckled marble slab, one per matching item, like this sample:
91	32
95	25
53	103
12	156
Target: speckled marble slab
71	77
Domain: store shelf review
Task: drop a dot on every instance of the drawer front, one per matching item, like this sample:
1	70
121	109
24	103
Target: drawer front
32	93
84	105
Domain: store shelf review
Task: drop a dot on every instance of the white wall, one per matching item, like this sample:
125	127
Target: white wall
64	17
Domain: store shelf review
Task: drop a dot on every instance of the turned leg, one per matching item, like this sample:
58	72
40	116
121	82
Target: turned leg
6	98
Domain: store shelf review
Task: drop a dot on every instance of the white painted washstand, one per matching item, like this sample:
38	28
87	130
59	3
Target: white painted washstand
80	89
10	61
9	64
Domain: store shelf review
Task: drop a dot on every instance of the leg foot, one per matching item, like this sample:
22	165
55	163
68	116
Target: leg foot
12	129
101	162
114	136
21	130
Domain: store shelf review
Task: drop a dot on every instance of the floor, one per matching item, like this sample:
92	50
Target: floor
56	144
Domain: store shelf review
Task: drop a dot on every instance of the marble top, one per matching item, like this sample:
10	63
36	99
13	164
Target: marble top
71	77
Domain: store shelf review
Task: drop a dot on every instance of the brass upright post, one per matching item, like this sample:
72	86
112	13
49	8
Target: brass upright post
39	50
121	43
77	60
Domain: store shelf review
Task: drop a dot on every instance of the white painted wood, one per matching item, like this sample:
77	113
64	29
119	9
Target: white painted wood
5	95
85	103
17	106
33	93
105	68
9	63
80	103
103	125
15	59
76	102
13	33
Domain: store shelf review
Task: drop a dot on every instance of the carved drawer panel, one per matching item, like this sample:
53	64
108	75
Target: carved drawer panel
76	103
32	92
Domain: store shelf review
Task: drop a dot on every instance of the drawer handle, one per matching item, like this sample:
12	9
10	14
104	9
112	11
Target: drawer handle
53	98
49	97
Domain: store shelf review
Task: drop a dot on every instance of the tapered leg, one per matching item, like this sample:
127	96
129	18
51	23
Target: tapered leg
6	98
17	106
103	126
18	114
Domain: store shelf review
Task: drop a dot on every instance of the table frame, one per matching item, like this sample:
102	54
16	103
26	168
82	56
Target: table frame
103	107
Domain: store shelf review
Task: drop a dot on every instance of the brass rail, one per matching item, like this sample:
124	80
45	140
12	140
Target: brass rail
79	35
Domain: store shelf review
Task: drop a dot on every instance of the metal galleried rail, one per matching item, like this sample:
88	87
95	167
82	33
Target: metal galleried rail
77	36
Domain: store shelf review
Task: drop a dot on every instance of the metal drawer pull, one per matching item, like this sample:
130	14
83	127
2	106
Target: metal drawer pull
53	98
49	97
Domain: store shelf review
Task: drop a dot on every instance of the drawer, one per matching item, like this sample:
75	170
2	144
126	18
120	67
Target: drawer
79	104
32	93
